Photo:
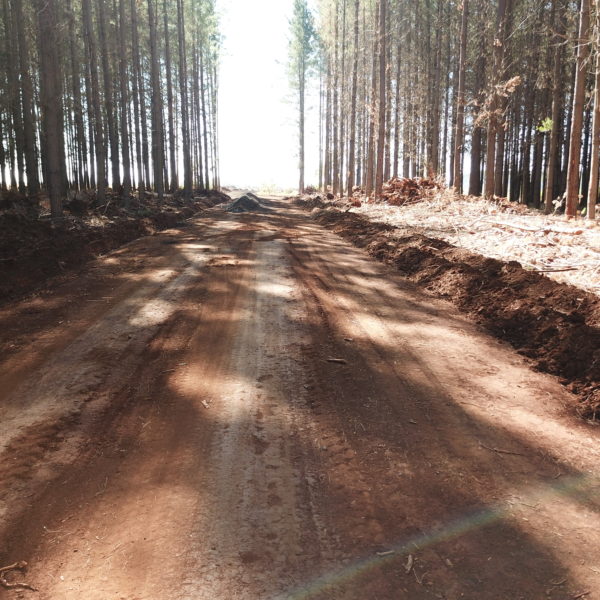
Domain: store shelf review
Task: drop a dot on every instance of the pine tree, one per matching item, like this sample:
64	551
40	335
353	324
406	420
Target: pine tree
301	62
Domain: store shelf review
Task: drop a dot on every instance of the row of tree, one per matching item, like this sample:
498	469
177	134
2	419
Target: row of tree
500	97
99	94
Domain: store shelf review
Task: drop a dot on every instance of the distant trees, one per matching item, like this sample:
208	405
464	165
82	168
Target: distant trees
88	99
490	94
301	62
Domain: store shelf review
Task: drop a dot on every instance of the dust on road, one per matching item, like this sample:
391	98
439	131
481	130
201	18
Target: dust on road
171	428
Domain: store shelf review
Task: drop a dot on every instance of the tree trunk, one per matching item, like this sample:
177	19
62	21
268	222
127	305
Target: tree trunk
572	199
460	105
174	182
183	90
382	99
595	158
157	126
353	94
31	163
53	141
100	149
113	137
557	105
124	89
499	51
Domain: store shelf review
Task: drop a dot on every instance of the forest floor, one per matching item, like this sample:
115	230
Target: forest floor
33	248
248	406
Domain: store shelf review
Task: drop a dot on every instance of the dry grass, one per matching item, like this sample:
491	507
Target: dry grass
567	251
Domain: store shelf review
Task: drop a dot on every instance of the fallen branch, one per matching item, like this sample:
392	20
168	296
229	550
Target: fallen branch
499	451
339	361
18	566
535	229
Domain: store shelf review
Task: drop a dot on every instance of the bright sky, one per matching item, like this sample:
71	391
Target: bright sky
258	116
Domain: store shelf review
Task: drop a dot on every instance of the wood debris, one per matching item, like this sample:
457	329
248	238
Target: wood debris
18	566
339	361
403	190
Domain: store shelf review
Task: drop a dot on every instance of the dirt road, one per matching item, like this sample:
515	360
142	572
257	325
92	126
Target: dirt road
172	426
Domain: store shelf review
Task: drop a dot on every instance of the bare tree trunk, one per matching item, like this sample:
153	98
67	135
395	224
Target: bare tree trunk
557	104
578	100
108	97
352	151
100	149
31	162
382	99
336	106
183	90
124	89
174	182
370	159
301	86
51	104
460	105
490	168
595	159
157	126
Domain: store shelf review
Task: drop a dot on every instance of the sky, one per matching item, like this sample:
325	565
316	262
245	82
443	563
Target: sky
258	133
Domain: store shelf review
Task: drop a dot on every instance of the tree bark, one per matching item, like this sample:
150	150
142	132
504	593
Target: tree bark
53	141
572	198
460	105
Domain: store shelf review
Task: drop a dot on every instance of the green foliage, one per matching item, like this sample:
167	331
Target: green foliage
545	126
302	43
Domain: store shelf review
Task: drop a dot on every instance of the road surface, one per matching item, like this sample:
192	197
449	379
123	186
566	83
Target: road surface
247	407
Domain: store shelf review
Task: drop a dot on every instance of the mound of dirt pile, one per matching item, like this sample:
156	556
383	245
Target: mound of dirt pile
33	249
246	203
556	325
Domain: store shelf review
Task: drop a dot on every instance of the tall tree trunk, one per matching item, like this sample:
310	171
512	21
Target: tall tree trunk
100	149
31	163
493	124
572	199
111	121
371	149
301	86
557	105
124	89
460	105
353	94
183	91
336	106
174	183
595	158
382	99
53	141
157	126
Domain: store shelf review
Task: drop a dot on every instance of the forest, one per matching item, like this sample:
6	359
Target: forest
380	383
499	99
99	94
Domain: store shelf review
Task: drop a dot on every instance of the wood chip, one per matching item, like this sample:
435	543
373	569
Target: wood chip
410	561
339	361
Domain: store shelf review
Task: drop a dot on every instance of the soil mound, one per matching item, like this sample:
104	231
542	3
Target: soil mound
246	203
556	325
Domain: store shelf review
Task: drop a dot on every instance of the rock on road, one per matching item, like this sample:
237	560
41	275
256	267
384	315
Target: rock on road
172	428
